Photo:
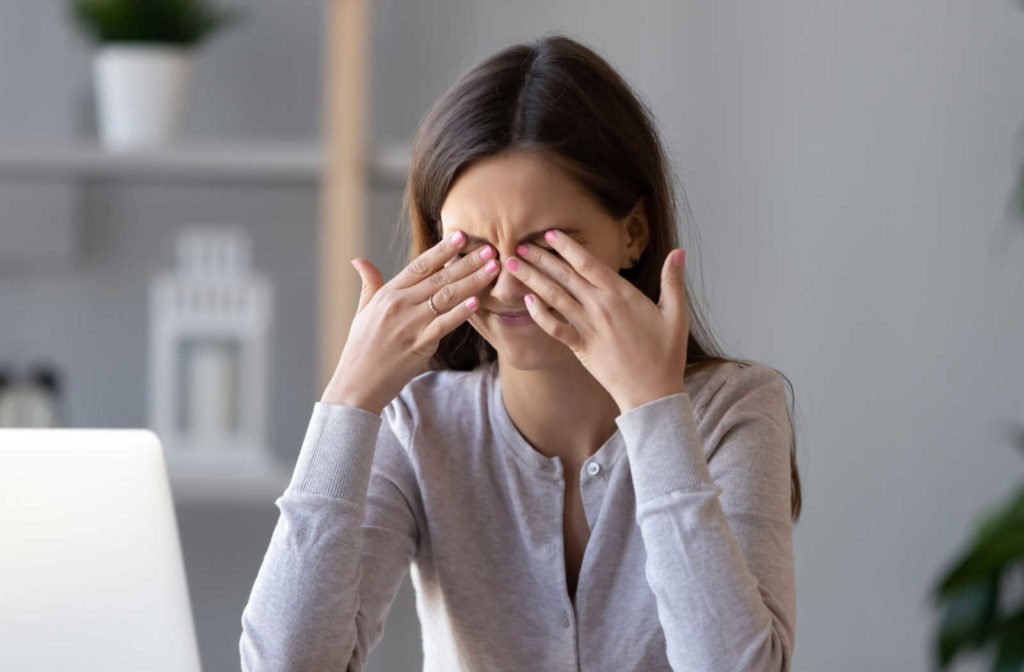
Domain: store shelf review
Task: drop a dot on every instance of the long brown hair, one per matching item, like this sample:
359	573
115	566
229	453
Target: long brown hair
556	97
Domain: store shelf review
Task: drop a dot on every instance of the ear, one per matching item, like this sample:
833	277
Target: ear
635	232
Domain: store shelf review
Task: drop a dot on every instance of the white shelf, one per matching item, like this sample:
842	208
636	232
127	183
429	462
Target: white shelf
236	162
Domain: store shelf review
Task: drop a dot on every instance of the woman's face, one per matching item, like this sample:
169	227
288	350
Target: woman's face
514	198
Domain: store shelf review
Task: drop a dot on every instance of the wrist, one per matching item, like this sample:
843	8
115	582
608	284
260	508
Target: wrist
342	396
629	402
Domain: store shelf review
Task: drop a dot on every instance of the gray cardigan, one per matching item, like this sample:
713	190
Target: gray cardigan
689	565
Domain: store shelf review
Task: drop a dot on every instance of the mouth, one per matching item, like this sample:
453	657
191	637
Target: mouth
520	318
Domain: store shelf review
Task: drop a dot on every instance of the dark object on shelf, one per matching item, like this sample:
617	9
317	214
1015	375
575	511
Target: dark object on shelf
33	400
46	377
5	382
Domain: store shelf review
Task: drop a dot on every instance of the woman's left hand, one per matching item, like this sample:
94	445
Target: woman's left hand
635	348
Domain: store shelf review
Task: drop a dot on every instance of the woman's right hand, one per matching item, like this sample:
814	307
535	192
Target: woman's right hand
394	333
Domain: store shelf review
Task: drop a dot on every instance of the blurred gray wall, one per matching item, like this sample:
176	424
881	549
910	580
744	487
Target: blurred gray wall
847	167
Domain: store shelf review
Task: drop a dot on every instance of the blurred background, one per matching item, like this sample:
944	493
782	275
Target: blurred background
848	168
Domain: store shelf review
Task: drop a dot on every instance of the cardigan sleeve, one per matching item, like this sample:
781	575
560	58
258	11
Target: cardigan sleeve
713	505
346	534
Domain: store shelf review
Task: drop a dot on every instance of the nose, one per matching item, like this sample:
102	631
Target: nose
507	291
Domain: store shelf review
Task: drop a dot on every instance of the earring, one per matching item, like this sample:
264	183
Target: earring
633	261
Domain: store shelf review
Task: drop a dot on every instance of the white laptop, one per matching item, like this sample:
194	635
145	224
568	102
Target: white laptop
91	570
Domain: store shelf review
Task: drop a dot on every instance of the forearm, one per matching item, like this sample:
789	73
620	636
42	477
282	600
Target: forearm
723	583
302	612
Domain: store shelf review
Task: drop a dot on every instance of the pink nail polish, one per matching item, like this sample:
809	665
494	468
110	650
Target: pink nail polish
457	237
512	265
487	252
550	236
522	250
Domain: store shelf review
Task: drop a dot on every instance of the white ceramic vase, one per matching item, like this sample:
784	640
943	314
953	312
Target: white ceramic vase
140	92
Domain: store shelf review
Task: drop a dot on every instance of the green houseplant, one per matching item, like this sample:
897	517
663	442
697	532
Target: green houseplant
184	22
973	590
142	62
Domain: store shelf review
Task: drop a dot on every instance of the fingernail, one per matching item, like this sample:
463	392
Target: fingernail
677	257
529	299
491	266
550	236
522	250
512	265
471	303
487	252
457	237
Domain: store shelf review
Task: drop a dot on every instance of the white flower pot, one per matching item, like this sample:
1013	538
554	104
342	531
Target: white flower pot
140	93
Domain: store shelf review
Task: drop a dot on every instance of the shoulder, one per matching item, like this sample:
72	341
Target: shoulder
747	436
446	389
717	388
435	399
744	423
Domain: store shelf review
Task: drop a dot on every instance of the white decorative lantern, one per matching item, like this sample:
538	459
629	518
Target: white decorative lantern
209	328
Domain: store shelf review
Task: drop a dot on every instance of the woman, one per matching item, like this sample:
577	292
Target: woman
523	416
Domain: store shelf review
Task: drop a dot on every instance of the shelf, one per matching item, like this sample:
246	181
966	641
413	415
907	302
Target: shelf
235	162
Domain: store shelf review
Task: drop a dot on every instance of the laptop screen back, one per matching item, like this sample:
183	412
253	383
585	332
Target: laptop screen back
91	570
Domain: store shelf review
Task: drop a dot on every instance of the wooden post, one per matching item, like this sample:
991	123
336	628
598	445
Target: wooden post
343	208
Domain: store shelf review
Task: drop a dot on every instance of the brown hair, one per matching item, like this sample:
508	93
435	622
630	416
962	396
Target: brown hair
558	98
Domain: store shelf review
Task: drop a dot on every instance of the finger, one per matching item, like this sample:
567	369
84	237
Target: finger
541	314
673	284
556	269
444	323
547	289
452	293
371	277
595	271
427	263
456	270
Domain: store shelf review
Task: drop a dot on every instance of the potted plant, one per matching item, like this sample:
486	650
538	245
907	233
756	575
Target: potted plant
143	61
976	590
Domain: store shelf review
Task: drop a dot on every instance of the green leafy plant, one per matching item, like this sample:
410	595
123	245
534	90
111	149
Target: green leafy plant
178	22
972	590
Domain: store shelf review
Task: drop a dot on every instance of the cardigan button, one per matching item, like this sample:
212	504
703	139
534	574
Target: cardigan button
593	468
